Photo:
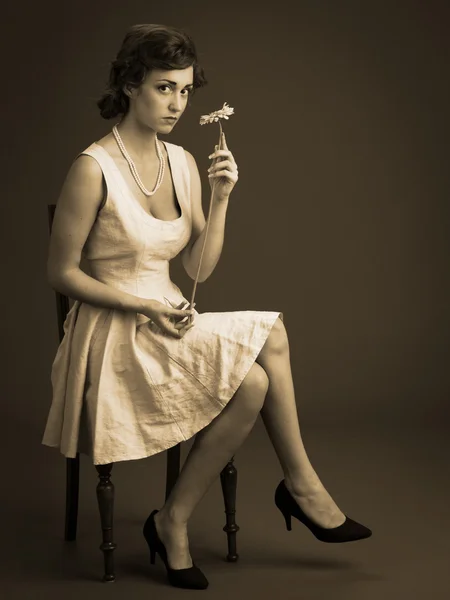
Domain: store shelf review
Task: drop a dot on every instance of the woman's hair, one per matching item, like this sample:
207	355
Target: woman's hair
146	47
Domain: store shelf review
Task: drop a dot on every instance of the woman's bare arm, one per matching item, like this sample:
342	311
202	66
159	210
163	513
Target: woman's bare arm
76	210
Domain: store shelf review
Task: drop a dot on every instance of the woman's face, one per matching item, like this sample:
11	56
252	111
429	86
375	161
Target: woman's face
162	94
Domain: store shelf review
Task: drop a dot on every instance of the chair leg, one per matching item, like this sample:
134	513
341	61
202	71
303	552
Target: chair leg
105	498
72	493
228	480
173	468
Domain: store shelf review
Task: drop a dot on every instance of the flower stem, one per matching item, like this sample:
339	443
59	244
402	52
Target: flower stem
207	227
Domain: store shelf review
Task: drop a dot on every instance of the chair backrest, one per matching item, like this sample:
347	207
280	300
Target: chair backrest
62	301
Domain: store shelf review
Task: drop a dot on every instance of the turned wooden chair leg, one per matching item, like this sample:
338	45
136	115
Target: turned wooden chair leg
228	480
72	494
105	498
173	468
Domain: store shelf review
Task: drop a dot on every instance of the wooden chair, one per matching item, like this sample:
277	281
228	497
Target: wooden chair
105	487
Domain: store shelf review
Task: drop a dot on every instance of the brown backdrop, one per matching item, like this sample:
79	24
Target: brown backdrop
340	215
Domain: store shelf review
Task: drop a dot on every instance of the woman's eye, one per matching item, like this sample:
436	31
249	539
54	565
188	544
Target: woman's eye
162	87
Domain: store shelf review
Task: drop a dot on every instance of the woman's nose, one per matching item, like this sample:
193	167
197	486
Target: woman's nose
176	103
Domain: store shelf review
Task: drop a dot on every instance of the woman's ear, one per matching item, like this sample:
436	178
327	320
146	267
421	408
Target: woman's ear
127	91
131	91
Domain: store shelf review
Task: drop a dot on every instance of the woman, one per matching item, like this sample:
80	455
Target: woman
132	376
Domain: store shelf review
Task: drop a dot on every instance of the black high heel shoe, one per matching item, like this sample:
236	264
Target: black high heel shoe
349	531
191	577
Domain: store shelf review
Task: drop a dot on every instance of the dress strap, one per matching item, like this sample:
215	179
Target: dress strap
108	169
96	152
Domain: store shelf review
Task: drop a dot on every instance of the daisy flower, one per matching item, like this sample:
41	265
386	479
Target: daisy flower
223	113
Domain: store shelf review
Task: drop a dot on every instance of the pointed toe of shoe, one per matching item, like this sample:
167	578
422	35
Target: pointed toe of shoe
349	531
191	578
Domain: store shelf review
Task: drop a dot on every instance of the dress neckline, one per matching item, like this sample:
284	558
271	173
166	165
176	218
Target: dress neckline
133	197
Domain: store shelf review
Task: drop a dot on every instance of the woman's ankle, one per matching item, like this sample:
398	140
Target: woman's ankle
304	485
173	516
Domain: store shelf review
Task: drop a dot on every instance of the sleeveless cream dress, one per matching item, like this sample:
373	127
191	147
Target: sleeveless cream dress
122	390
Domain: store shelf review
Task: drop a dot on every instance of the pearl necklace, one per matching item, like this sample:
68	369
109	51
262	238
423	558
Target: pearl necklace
162	163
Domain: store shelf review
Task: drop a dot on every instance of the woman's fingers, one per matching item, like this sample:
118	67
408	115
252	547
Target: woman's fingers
185	318
177	332
181	331
181	306
185	329
183	323
222	165
174	329
224	168
222	153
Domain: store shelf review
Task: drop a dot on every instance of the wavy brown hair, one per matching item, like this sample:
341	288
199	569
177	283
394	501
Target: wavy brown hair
146	47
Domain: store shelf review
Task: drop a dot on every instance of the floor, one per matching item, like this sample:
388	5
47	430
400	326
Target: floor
394	480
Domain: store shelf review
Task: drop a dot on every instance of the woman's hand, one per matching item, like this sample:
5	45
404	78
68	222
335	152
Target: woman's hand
223	175
167	318
184	305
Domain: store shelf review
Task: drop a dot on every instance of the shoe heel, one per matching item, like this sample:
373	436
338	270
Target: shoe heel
288	519
152	556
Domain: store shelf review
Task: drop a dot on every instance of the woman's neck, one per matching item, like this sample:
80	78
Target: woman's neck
139	142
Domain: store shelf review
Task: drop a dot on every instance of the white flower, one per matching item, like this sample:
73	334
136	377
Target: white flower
223	113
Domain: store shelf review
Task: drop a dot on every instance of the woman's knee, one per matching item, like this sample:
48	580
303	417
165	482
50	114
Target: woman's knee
256	384
277	342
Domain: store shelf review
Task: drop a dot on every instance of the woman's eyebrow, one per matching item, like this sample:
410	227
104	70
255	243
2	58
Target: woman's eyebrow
175	83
